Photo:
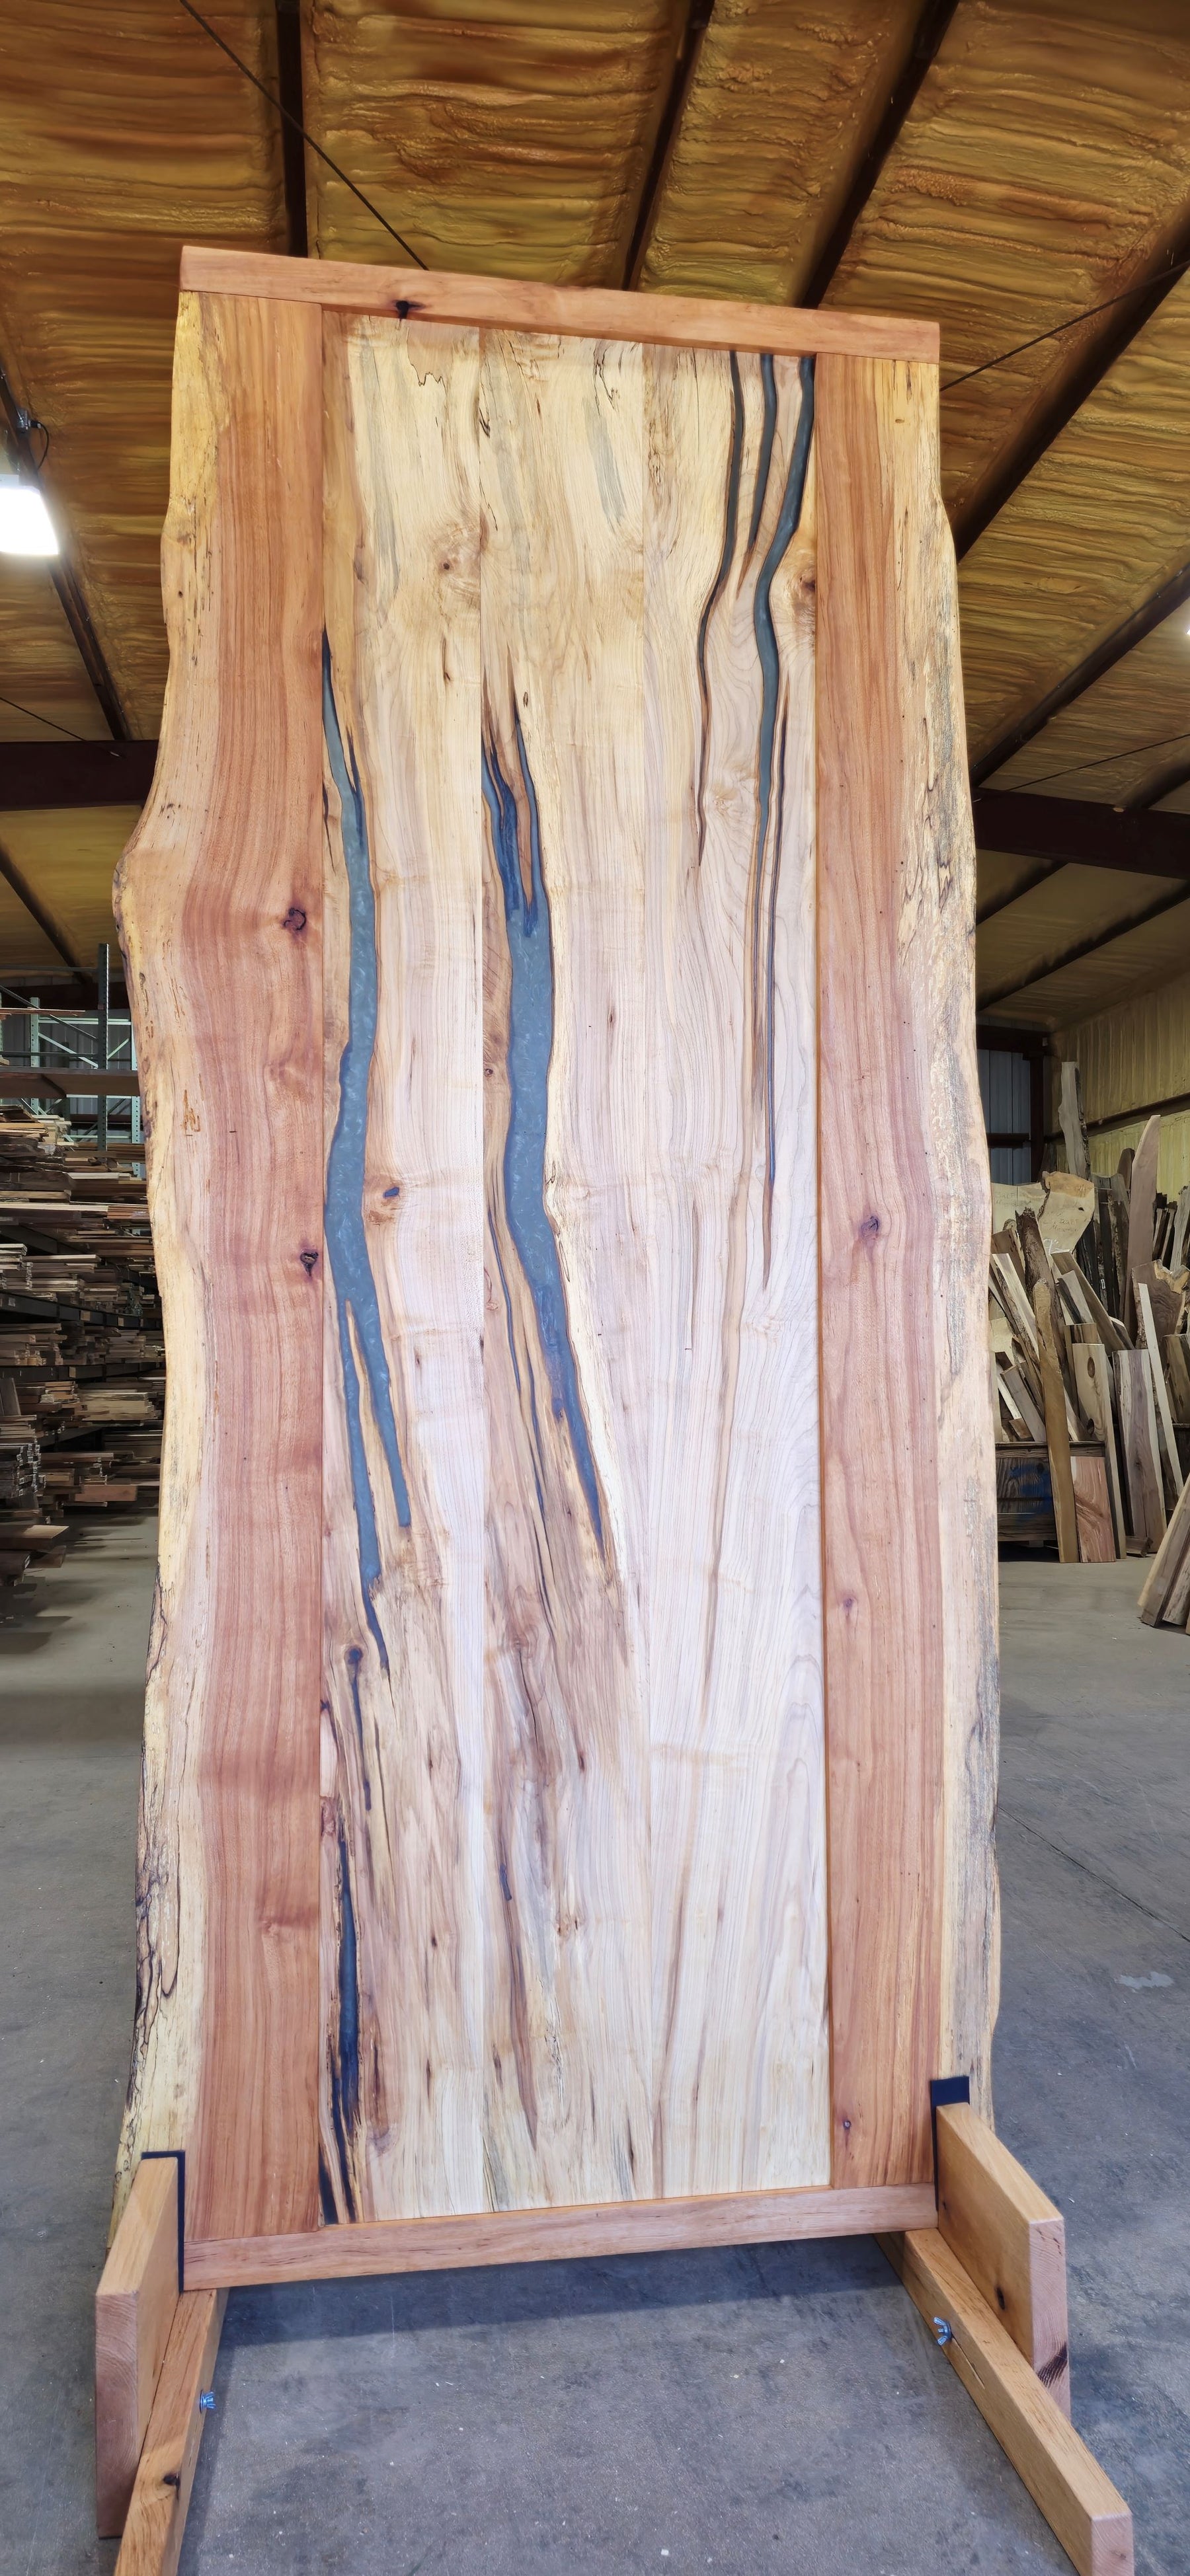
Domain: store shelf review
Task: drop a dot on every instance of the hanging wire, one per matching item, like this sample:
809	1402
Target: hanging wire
1161	277
296	122
1104	759
31	712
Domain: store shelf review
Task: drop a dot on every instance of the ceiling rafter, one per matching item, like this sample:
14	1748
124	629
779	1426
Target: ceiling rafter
38	912
933	21
1056	402
1081	948
1069	830
1170	594
293	150
50	777
698	19
66	581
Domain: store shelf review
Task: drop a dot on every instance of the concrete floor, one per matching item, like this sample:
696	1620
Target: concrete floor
782	2408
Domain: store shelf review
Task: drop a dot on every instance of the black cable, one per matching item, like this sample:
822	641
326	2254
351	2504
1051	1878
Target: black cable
1104	759
1141	288
296	122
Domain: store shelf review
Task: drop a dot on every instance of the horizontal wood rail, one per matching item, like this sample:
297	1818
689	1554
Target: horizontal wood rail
552	2235
582	312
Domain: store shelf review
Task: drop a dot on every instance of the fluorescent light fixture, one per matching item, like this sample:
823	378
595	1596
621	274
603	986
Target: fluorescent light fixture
25	524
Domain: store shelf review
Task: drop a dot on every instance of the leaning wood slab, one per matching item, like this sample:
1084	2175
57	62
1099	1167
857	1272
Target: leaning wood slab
570	1733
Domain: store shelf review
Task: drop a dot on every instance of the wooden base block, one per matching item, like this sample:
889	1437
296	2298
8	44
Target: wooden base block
1079	2502
134	2311
161	2496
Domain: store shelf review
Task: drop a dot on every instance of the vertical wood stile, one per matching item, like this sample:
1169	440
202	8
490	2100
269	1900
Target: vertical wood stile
220	912
908	1578
402	1775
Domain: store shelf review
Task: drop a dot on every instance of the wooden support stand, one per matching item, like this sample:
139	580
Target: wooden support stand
155	2347
990	2280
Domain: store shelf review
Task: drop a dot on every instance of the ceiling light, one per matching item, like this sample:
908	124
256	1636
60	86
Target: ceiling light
25	524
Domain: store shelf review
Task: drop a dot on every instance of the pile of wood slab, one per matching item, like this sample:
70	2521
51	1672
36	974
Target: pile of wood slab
81	1353
1090	1358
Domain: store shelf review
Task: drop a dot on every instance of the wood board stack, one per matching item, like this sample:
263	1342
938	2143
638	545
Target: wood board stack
81	1353
1090	1357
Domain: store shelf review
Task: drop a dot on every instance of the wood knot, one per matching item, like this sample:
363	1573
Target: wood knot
295	919
869	1228
309	1262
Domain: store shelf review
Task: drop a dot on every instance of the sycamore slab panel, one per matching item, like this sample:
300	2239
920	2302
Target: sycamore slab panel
542	1542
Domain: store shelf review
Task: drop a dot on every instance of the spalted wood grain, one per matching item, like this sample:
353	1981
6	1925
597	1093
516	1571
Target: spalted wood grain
403	1480
906	1439
219	904
738	1793
566	1156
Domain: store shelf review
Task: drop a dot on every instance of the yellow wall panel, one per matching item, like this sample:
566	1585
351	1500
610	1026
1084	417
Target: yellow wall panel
1128	1057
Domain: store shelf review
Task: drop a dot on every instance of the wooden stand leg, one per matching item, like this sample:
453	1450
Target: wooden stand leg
161	2496
990	2280
134	2310
1010	2240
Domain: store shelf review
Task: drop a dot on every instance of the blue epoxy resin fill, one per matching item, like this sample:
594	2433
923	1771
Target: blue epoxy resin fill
530	1046
764	630
356	1301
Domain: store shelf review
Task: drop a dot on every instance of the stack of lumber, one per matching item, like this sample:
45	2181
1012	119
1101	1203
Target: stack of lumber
81	1352
1090	1357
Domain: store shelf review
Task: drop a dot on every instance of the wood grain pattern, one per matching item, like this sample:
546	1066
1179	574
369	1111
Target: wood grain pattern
219	903
134	2310
402	1779
1138	1446
566	1721
557	2235
908	1579
1093	1509
588	313
738	1789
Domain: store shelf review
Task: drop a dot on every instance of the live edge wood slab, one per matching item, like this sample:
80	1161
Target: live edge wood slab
571	1712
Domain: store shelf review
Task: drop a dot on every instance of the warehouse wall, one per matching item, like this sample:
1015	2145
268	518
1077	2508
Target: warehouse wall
1137	1053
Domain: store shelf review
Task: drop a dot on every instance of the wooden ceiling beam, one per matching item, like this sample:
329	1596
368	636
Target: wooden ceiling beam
52	776
65	579
1097	349
1176	774
293	149
933	20
44	919
1069	831
698	19
1103	657
1082	948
